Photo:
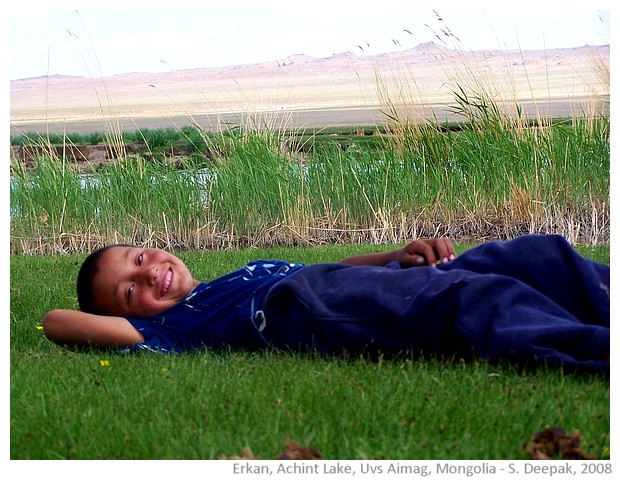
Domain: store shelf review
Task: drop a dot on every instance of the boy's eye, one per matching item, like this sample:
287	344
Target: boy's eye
139	259
129	292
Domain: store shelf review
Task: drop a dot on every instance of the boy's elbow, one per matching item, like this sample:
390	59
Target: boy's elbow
52	324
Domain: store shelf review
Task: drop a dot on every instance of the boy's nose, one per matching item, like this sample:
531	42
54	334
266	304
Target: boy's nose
148	275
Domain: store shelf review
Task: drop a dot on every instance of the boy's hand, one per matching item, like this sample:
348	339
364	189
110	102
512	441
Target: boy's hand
426	252
416	253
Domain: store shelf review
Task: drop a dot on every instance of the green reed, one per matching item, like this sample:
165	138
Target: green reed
488	177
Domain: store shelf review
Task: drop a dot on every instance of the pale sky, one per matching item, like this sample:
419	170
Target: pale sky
87	39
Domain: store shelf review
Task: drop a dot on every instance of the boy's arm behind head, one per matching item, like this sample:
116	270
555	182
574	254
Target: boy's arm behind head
73	328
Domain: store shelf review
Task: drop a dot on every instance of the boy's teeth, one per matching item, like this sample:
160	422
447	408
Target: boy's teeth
167	280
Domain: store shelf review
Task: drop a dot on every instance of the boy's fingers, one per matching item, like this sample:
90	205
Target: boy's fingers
428	252
419	260
445	250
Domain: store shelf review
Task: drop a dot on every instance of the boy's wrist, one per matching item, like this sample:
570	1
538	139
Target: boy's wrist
393	256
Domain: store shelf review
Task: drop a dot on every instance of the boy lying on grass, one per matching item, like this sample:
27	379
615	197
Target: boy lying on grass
529	300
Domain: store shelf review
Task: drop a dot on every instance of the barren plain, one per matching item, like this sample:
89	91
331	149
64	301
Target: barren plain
307	92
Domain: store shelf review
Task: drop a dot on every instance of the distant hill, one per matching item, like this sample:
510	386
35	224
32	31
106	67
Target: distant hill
425	74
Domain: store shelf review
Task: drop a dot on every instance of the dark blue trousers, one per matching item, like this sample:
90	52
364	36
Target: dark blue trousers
528	300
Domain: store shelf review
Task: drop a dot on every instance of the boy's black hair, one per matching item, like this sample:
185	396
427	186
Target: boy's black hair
86	294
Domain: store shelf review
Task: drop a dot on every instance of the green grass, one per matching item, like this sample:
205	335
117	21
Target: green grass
95	405
206	406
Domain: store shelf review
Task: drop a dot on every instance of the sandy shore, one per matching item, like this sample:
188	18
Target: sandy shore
301	92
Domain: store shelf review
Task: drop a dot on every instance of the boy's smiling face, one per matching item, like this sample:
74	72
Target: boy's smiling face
139	282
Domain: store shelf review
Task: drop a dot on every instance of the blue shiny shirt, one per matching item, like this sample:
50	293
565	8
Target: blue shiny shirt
217	314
